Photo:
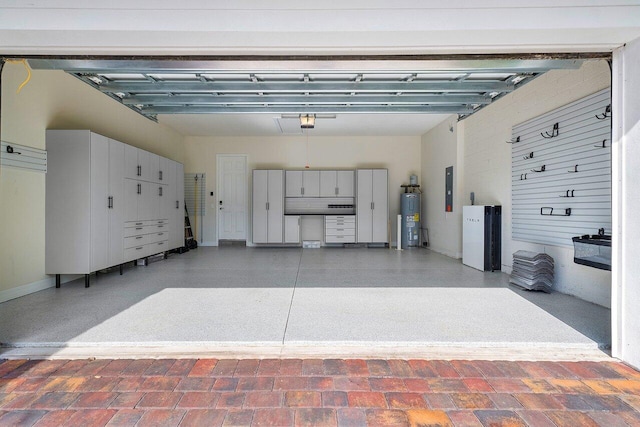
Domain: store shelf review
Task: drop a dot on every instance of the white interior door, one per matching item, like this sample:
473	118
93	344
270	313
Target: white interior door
232	196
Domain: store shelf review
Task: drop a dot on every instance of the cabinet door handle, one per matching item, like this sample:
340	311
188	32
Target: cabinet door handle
139	188
139	170
110	202
371	205
160	175
302	190
267	206
177	204
160	191
337	192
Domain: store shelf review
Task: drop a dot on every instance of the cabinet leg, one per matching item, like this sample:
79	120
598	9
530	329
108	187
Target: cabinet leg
86	280
121	269
57	280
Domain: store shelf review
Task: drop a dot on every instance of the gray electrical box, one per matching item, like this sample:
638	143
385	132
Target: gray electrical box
448	190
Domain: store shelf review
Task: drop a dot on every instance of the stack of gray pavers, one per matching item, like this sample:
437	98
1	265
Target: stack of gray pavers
532	271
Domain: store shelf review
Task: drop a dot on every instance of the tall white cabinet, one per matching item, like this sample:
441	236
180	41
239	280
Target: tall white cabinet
268	206
372	205
107	203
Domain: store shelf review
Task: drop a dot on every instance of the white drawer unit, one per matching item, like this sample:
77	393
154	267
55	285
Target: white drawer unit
340	229
144	238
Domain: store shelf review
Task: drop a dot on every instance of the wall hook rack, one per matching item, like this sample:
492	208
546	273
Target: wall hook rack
554	132
528	156
606	114
602	145
575	169
513	141
548	211
523	176
568	194
542	169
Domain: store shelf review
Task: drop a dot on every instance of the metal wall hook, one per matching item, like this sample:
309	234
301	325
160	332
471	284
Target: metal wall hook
568	194
513	141
10	150
575	169
554	132
542	169
603	145
606	114
548	211
528	156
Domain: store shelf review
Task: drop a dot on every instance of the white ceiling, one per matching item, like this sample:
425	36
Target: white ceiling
265	124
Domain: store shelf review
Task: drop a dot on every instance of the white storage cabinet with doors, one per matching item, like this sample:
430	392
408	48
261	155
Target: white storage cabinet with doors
302	183
372	206
268	206
107	203
337	183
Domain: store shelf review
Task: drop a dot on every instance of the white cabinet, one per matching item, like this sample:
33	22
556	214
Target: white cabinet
84	202
177	218
372	206
292	229
337	183
339	229
302	183
268	206
142	165
102	203
117	201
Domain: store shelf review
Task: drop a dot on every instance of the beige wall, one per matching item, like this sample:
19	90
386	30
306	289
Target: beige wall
400	155
442	147
487	165
54	100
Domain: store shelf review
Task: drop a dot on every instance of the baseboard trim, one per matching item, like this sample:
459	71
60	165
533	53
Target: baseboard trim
450	254
29	288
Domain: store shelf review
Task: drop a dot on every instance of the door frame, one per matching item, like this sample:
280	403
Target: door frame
219	158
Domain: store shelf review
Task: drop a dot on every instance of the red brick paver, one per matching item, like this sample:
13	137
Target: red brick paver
330	392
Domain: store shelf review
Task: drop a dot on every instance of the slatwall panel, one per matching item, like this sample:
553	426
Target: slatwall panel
23	157
578	146
194	193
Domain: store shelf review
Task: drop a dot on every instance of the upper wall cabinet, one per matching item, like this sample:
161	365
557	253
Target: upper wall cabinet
145	166
302	184
337	183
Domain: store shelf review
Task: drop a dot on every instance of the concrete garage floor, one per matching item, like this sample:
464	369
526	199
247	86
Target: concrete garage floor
239	302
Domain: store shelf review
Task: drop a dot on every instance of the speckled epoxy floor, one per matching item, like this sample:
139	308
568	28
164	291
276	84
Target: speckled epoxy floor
276	296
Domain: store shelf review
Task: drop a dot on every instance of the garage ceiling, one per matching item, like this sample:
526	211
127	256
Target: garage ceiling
285	89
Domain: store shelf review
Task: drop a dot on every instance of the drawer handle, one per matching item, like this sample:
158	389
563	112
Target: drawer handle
160	226
138	237
138	228
137	249
160	234
138	223
161	243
